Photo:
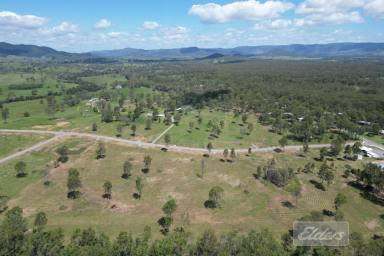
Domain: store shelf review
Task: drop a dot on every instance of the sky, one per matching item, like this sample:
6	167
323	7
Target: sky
88	25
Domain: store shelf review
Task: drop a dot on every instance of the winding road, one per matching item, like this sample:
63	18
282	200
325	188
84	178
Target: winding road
141	144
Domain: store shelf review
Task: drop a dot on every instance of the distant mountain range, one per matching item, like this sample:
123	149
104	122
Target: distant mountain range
22	50
297	50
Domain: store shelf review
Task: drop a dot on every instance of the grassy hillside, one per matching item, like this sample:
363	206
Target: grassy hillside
248	203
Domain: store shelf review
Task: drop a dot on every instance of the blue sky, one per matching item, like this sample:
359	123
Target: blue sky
85	25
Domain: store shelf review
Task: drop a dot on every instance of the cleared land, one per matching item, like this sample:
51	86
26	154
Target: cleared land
11	143
248	203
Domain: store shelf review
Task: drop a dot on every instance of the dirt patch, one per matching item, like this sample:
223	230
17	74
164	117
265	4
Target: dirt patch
202	216
182	160
44	127
372	224
62	124
234	182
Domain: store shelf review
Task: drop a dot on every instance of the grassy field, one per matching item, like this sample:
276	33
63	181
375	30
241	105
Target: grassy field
248	203
12	143
231	135
49	84
378	139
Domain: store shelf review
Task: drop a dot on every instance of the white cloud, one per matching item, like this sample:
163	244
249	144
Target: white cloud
240	10
326	6
151	25
329	12
66	27
375	8
336	18
14	20
63	28
114	34
103	24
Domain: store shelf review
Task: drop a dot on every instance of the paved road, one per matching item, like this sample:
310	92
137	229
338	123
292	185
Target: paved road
141	144
377	149
28	150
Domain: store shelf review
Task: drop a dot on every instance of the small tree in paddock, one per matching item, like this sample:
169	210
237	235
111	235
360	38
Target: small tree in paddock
168	209
296	192
5	114
323	153
244	118
127	170
133	129
107	190
119	130
73	183
215	196
340	199
167	139
225	154
283	142
233	154
209	147
250	128
100	151
139	187
40	220
94	127
147	163
20	168
63	153
148	124
191	126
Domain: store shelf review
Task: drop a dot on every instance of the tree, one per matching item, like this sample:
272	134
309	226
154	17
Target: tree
250	128
5	114
12	233
148	124
305	147
167	139
147	162
100	151
191	125
356	148
127	169
133	129
51	105
324	168
202	167
283	142
244	118
296	192
107	190
63	152
119	130
73	183
214	197
94	127
233	154
323	153
329	177
209	147
340	199
337	146
40	220
107	114
20	168
139	187
168	209
225	154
